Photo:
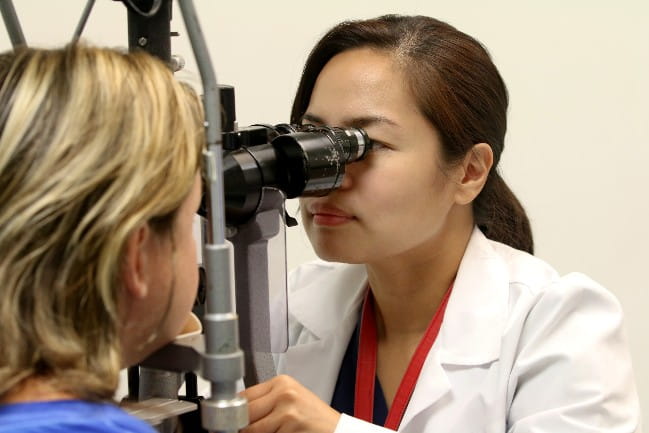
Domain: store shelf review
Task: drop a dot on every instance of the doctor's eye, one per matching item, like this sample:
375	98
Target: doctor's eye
307	126
379	146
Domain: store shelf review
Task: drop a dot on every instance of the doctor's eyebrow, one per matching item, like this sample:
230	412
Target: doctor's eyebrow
355	122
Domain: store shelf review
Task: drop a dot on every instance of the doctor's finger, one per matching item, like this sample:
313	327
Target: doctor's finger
267	424
280	396
281	417
261	407
257	391
276	384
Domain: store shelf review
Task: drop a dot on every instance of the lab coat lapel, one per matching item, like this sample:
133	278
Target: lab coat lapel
432	386
316	364
473	324
327	307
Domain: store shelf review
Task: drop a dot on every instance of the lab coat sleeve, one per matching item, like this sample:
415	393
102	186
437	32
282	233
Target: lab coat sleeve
572	371
349	424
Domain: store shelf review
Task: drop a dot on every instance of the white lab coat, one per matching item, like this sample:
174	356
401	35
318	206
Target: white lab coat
521	349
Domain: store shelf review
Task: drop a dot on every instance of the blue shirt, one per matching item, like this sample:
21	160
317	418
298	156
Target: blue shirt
65	416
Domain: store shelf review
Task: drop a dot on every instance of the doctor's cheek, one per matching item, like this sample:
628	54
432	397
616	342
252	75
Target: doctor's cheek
282	404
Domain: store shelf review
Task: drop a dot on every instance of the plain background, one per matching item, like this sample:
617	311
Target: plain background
577	147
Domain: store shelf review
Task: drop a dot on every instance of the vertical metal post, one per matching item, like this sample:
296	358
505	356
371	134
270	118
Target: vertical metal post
223	363
83	20
11	22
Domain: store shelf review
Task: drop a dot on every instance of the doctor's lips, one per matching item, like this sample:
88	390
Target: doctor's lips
328	215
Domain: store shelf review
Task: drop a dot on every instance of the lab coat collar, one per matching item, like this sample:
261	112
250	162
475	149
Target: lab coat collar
334	294
473	324
470	335
475	315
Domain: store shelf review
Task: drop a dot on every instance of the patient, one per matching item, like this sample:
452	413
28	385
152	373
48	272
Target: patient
99	167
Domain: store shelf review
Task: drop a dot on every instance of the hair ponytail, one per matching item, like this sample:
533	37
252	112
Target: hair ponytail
500	215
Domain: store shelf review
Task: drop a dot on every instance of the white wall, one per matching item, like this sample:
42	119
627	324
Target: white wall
577	150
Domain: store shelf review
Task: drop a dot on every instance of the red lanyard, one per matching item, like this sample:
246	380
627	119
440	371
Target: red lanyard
366	365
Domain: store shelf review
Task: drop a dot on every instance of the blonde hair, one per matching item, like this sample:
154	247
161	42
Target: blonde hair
93	144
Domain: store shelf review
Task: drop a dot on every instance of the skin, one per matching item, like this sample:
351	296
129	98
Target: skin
158	293
160	282
403	211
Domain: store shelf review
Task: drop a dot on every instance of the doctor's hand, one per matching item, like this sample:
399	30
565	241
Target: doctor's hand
283	405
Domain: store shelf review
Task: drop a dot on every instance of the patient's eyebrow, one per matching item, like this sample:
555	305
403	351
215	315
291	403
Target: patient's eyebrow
354	122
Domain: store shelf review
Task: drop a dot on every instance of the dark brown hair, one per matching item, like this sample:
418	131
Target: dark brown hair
457	88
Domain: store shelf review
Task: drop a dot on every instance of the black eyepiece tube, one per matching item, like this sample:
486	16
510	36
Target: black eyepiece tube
312	161
299	161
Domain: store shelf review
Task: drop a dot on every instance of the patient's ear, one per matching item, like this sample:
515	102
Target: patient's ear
136	262
475	170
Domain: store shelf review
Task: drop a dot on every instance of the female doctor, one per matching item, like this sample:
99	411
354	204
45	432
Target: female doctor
428	312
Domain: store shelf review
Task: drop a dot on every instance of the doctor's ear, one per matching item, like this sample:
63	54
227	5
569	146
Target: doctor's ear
475	169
